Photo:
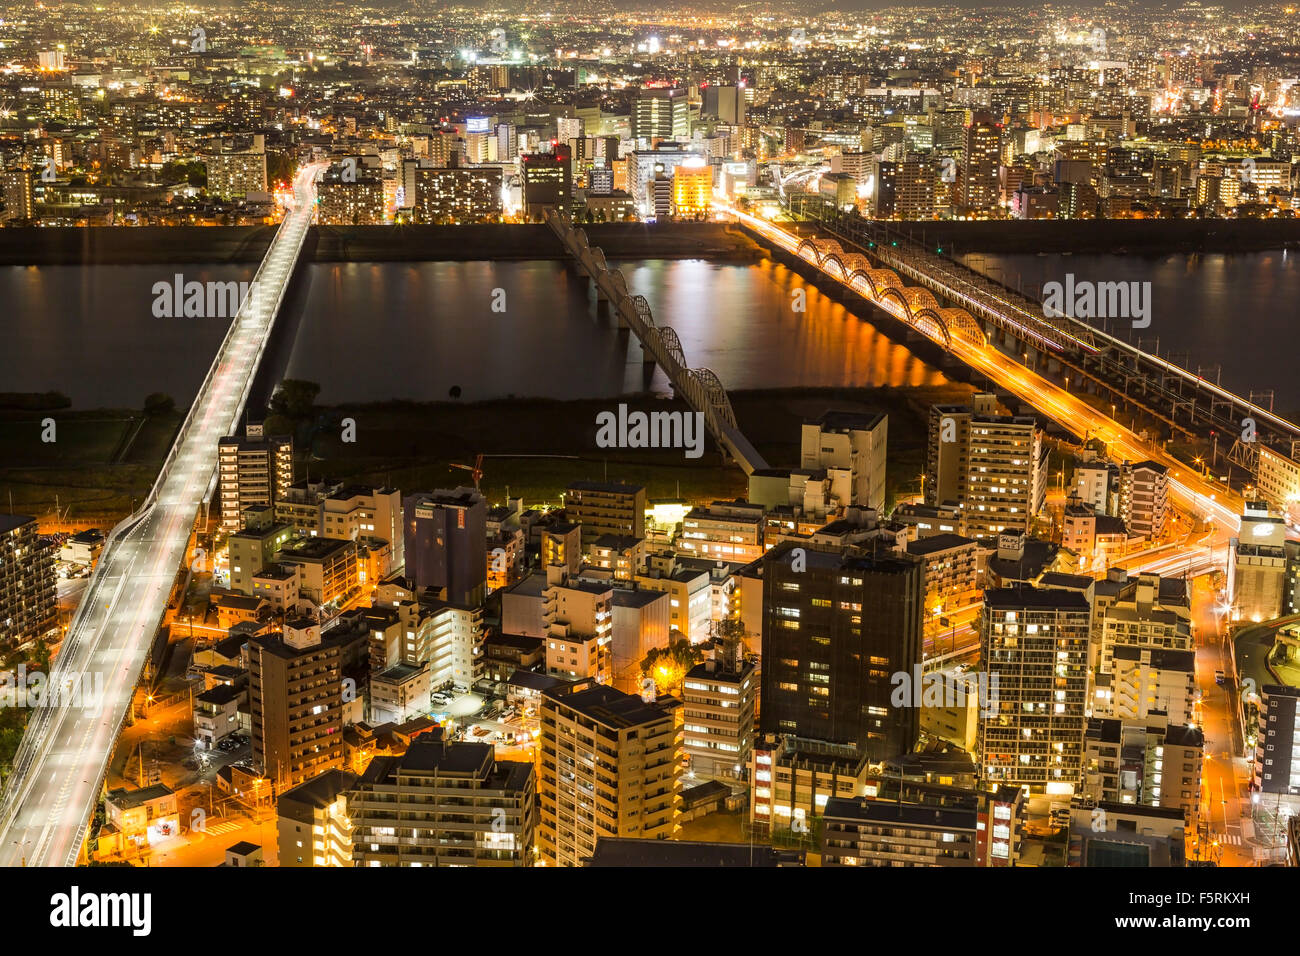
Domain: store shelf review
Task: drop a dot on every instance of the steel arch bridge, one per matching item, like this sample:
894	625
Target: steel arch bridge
917	305
700	387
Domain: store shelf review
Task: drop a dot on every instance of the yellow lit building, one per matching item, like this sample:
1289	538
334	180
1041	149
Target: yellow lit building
692	190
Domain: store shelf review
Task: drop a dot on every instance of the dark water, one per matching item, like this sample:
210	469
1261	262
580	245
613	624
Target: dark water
1240	312
373	331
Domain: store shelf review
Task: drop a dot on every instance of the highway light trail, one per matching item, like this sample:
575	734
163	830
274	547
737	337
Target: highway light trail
49	797
1191	492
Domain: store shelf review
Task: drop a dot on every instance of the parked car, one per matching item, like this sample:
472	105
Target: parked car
1220	677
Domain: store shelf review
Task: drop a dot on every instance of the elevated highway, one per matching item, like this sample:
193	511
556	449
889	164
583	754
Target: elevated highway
61	763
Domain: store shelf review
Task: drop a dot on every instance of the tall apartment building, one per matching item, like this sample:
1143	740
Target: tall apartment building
28	597
1148	611
446	543
661	114
1036	643
993	466
312	824
692	190
20	200
232	175
1154	762
1144	498
444	804
458	194
579	620
296	696
447	637
1277	747
978	180
254	470
837	627
916	188
851	448
610	767
1096	485
606	507
718	699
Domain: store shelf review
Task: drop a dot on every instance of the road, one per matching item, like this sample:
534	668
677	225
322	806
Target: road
49	799
1191	492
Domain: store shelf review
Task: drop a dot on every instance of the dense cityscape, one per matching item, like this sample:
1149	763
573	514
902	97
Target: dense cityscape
1020	590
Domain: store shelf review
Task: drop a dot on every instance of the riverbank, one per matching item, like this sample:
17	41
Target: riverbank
533	447
222	245
623	240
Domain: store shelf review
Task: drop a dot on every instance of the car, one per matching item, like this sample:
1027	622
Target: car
1220	677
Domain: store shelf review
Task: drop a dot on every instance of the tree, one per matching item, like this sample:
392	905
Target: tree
295	398
668	665
158	403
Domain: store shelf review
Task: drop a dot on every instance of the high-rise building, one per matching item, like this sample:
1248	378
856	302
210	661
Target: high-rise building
916	187
1144	498
993	466
579	628
1277	747
978	180
837	628
724	101
884	190
28	601
446	543
458	194
606	507
851	448
1155	761
718	701
610	766
1035	642
295	693
1257	565
254	470
20	202
444	804
547	182
661	114
692	190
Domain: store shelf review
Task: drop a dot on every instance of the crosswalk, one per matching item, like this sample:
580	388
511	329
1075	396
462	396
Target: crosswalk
1232	839
225	826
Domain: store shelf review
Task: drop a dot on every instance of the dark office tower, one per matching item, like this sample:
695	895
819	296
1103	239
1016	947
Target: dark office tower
661	114
548	182
446	543
1277	752
979	169
884	190
27	588
727	103
837	628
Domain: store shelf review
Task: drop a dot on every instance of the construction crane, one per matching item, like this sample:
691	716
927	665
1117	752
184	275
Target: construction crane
475	470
